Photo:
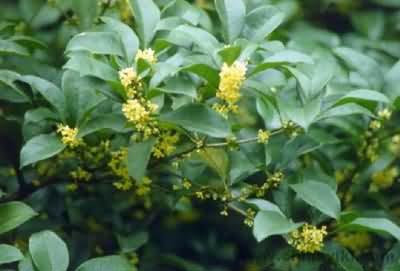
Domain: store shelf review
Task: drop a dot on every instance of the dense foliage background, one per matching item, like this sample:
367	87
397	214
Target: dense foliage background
199	135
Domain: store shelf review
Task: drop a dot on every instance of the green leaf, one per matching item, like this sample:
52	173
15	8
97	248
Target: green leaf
341	257
378	225
269	223
26	264
230	54
115	122
81	96
9	254
48	90
85	65
129	39
217	159
39	148
132	242
290	57
49	252
264	205
232	16
199	118
104	43
262	21
147	16
180	85
365	65
204	71
320	196
204	40
345	110
138	158
363	94
8	90
303	116
86	12
13	214
281	58
11	48
108	263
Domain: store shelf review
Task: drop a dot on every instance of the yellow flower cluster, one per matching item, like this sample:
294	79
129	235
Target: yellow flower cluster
95	155
166	144
231	79
263	136
384	179
272	181
385	114
144	188
358	242
394	146
148	55
81	175
118	166
308	239
249	220
137	110
130	81
140	114
69	136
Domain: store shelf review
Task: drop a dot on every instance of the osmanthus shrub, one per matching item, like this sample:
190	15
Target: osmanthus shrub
157	135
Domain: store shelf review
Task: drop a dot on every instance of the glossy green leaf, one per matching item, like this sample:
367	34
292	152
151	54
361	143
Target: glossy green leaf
48	90
12	48
199	118
232	15
9	254
207	43
365	65
319	195
13	214
147	16
106	43
341	257
269	223
138	158
107	263
128	37
8	89
379	225
115	122
39	148
48	251
262	21
87	66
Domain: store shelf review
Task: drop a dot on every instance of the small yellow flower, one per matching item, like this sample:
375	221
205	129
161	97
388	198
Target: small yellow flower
127	76
187	184
308	239
81	175
263	136
147	55
249	220
385	114
200	195
375	125
166	144
384	179
69	136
